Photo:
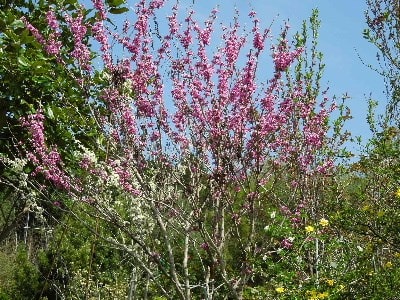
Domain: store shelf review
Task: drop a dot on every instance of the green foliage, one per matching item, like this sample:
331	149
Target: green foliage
374	191
6	272
26	276
79	264
72	266
367	214
31	80
382	18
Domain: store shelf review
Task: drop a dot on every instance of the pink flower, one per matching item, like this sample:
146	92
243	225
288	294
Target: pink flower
155	4
48	161
283	59
52	20
99	6
81	51
326	167
252	14
287	243
34	31
53	46
99	33
205	246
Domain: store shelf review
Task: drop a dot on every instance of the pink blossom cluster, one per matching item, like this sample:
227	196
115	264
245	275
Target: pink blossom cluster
52	45
201	101
100	34
47	161
293	215
283	59
52	20
222	109
125	177
259	37
286	243
81	51
100	7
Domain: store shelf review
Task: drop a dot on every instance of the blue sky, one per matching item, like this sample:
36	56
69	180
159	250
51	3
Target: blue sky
340	40
342	43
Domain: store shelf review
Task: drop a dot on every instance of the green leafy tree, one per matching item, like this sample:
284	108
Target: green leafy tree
383	20
31	79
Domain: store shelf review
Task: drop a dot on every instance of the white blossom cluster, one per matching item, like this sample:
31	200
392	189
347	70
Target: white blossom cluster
16	164
85	153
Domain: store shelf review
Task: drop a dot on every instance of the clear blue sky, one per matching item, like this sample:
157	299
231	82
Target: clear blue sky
341	41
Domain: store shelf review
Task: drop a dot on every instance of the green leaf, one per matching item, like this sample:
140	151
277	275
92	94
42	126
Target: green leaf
23	61
366	34
17	24
26	38
117	11
115	3
70	7
50	113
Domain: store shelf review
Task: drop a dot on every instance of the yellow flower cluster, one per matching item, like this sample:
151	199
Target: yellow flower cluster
323	222
280	290
309	229
389	264
330	282
398	193
314	295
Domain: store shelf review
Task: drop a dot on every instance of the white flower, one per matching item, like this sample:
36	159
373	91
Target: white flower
113	179
90	155
105	76
18	164
127	86
264	258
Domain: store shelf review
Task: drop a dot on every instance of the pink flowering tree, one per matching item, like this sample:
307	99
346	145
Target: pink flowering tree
193	138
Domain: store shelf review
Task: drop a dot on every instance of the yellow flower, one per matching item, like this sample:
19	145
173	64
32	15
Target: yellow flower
398	193
366	207
389	264
323	222
323	295
309	229
280	290
312	293
330	282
